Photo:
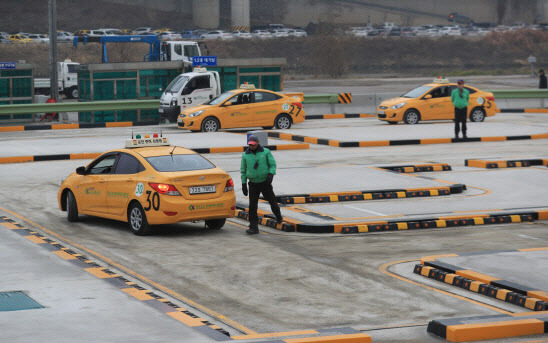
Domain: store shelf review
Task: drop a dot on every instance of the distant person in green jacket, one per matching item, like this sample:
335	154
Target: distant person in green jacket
459	98
259	167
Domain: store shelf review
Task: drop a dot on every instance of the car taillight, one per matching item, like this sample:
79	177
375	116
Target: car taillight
298	104
229	185
492	98
163	188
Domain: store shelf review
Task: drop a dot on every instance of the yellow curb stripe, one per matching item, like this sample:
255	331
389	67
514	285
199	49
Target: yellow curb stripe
98	272
12	128
351	338
35	239
276	334
494	330
186	319
139	294
64	255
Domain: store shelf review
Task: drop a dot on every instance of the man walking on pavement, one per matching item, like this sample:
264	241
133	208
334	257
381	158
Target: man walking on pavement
259	167
459	98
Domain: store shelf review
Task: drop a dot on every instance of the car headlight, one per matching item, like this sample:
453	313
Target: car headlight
173	103
195	114
400	105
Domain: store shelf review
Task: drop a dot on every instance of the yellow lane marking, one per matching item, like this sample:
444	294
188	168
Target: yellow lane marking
138	276
384	269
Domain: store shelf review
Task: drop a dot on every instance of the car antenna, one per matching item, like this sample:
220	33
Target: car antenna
131	134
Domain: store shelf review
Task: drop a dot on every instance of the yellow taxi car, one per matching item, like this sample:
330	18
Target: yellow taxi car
150	182
19	39
432	101
244	107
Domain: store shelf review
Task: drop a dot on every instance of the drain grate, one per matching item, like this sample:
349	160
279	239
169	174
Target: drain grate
17	300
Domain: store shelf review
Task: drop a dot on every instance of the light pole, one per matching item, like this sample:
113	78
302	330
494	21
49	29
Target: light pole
54	83
532	59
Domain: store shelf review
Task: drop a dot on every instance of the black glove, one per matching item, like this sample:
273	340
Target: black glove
269	178
244	189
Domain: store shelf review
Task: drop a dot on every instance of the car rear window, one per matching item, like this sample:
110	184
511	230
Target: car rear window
174	163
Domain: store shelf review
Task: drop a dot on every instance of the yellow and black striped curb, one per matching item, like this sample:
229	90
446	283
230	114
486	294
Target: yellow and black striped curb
345	98
91	155
291	225
75	126
361	144
490	164
419	168
369	195
524	110
511	292
491	327
358	337
150	298
338	116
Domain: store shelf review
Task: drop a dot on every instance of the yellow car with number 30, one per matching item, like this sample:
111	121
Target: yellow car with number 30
245	107
432	101
150	182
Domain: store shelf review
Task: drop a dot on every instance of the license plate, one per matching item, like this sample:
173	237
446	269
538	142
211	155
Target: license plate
161	110
202	189
380	112
179	120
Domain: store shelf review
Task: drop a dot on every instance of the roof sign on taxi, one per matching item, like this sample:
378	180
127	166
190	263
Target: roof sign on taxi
441	79
247	86
147	140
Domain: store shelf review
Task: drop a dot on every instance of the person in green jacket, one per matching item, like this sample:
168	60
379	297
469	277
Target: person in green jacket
259	167
459	98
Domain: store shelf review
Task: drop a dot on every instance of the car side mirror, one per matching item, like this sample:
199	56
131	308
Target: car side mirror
428	96
81	170
228	103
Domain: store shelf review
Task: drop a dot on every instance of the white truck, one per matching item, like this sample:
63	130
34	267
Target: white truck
187	90
68	80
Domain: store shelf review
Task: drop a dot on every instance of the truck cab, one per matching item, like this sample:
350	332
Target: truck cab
67	76
188	90
180	50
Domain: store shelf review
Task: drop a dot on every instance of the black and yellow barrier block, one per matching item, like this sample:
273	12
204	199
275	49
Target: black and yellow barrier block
479	328
508	291
419	168
490	164
85	156
345	98
369	195
339	116
75	126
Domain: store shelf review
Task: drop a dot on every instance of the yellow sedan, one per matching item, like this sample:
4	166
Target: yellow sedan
150	182
432	101
244	107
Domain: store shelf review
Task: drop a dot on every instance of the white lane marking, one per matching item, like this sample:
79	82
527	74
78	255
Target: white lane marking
364	210
525	236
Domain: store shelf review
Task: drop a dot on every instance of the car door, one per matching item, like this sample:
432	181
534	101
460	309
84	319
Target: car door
122	183
197	91
439	106
91	194
267	107
239	113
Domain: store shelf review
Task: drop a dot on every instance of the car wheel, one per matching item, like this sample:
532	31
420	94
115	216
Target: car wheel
215	224
210	125
283	122
411	117
72	208
477	115
74	92
392	122
137	220
268	127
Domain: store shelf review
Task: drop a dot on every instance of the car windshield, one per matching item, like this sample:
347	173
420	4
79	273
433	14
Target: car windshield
416	92
175	163
221	98
177	83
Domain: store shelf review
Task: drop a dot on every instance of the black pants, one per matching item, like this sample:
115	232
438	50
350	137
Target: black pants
255	190
460	119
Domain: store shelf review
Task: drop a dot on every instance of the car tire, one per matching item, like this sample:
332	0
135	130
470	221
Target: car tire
137	220
477	114
215	224
210	125
283	122
74	92
268	127
72	208
411	117
392	122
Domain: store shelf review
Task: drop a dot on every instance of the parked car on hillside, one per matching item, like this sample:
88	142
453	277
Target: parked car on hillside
261	34
141	30
38	38
100	33
407	32
217	34
279	33
450	31
19	39
82	33
192	34
64	36
241	34
297	33
4	40
169	35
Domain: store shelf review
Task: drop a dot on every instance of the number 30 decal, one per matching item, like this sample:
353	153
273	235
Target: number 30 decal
155	203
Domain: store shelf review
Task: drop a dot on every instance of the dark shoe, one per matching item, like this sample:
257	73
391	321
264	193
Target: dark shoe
251	231
456	136
279	219
464	136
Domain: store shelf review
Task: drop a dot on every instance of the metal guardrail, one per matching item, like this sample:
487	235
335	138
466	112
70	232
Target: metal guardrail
519	93
91	106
